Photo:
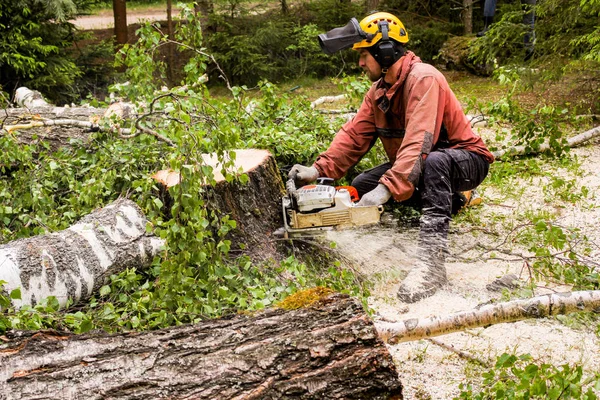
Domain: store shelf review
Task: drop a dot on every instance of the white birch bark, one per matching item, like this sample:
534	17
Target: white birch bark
489	314
73	262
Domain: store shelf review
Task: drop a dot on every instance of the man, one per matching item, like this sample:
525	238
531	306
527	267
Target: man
432	150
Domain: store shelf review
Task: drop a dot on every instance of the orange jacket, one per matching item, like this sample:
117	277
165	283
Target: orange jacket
407	114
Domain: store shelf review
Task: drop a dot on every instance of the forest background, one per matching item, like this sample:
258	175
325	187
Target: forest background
264	54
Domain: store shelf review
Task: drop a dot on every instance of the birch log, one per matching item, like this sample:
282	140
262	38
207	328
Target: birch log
327	351
73	262
535	307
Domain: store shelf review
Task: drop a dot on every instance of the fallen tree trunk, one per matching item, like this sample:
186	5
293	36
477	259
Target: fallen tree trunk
489	314
58	135
73	262
326	351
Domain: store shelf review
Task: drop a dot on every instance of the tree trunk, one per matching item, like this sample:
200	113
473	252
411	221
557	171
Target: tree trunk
72	263
171	46
255	205
372	5
284	7
327	351
120	14
56	136
467	16
205	8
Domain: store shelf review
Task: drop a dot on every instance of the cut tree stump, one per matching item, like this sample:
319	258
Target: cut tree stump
326	351
255	205
72	263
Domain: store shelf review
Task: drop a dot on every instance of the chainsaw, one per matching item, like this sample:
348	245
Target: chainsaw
312	210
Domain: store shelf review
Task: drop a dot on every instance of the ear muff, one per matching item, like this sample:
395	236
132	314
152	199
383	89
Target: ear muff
385	52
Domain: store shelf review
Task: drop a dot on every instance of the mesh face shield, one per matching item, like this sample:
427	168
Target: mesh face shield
342	38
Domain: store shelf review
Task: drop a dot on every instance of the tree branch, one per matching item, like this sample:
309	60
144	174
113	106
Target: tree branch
489	314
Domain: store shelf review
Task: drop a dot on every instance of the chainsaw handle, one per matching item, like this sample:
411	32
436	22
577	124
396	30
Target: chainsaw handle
290	186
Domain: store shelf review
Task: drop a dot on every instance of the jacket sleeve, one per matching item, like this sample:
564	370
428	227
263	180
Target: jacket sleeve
352	141
422	121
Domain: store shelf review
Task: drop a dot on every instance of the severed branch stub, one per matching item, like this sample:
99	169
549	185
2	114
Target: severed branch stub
489	314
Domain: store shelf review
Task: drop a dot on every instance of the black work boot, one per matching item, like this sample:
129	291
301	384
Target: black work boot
487	21
429	273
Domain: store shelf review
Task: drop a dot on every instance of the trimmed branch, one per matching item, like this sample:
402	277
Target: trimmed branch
571	142
327	99
489	314
123	133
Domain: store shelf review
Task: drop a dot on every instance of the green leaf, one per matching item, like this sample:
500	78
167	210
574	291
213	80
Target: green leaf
15	294
86	326
105	290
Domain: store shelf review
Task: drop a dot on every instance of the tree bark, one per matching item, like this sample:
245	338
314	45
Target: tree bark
372	5
120	15
72	263
467	16
327	351
535	307
205	8
56	137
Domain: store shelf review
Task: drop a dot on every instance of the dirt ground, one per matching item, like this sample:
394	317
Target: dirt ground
105	19
430	371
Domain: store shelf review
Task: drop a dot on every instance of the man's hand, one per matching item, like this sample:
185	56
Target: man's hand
303	175
376	197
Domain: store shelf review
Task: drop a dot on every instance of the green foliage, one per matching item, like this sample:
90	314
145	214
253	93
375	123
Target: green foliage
530	127
355	88
286	125
561	255
520	377
567	36
271	50
35	43
503	42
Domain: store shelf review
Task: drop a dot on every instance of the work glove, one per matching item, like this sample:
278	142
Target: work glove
376	197
303	175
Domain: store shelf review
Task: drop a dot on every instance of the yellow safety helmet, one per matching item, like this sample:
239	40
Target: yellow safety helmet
370	25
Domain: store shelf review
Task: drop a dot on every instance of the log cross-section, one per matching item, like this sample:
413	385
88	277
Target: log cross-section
327	351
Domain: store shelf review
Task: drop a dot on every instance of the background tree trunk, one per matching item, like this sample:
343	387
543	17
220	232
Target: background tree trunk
467	16
205	8
327	351
72	263
120	14
284	7
171	46
372	5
